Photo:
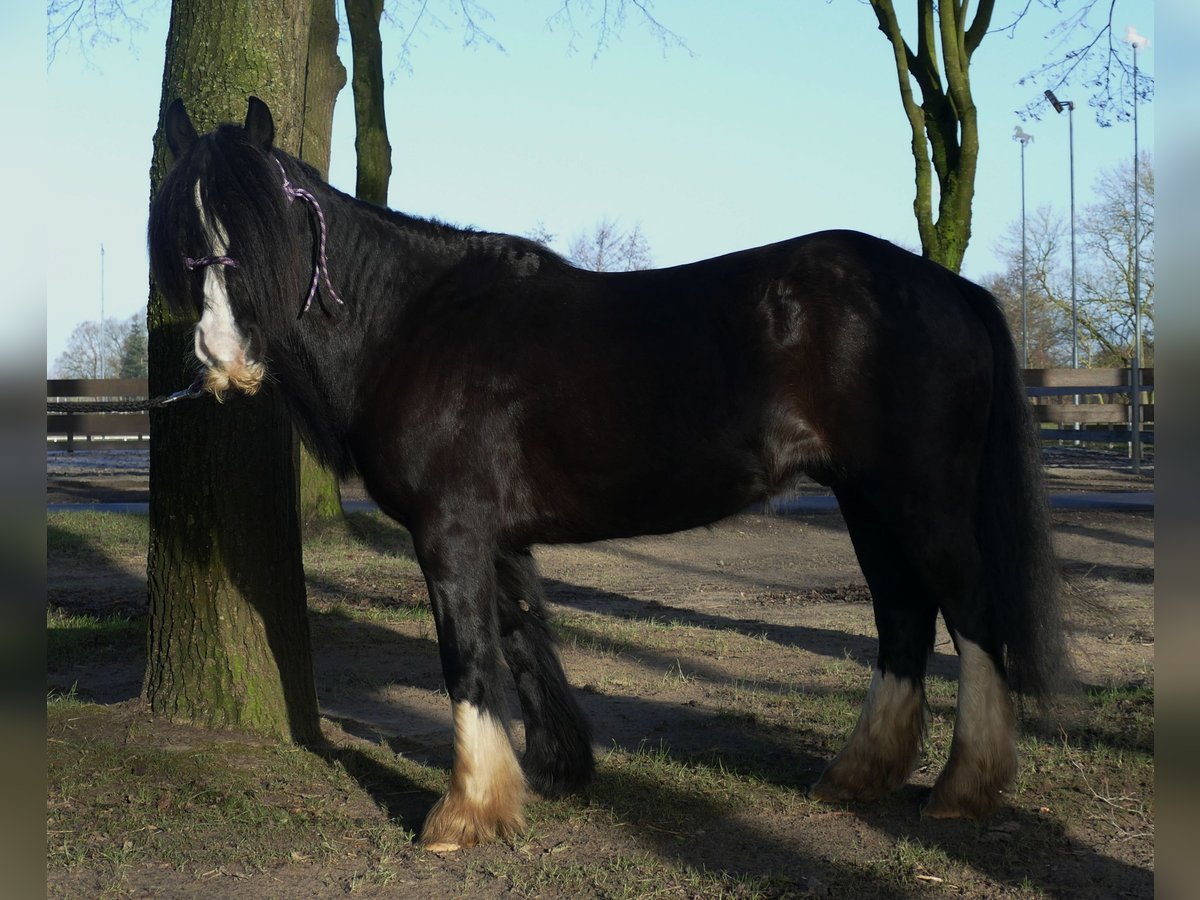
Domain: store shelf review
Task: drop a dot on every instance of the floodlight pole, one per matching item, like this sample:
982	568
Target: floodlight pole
1074	303
1135	376
1022	138
102	373
1069	106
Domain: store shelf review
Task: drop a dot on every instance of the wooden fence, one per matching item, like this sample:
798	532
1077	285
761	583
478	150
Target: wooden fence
106	429
1069	405
1090	404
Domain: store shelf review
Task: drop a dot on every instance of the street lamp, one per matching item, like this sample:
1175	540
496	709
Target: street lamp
1136	43
1069	106
1023	138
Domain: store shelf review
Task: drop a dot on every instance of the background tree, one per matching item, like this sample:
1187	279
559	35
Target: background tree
1047	288
135	346
92	23
608	248
1092	55
1106	284
228	638
1104	287
90	352
118	350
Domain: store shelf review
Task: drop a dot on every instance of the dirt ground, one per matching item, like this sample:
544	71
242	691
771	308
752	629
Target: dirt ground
774	603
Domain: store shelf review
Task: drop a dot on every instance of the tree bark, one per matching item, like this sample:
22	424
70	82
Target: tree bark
371	139
325	76
228	639
943	125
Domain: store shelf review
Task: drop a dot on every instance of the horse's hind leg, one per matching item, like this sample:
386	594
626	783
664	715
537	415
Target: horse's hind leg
487	788
916	562
558	747
886	742
983	752
940	540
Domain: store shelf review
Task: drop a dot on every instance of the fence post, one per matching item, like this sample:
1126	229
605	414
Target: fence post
1135	418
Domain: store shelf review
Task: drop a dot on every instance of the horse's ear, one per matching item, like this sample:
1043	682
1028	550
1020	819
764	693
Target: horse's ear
259	125
180	132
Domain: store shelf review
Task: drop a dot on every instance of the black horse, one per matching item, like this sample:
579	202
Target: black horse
493	396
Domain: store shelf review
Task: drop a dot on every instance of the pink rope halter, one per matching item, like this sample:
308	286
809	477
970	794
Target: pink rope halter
192	263
321	269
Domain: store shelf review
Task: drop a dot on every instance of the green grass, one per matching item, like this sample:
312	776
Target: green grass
120	795
78	639
621	876
74	535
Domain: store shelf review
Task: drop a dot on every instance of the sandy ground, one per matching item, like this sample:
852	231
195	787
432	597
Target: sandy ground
774	602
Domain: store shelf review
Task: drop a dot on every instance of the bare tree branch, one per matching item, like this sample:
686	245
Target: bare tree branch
609	20
415	19
93	23
607	248
1090	57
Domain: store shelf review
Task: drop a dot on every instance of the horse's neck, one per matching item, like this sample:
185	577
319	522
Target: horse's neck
379	261
386	247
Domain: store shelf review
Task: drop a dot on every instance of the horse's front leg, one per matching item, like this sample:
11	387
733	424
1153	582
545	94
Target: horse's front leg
487	788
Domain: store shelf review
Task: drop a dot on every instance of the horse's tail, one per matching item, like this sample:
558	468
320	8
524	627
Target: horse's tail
1020	570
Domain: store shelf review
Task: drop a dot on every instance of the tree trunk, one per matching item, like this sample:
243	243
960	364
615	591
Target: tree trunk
325	76
371	139
943	125
229	641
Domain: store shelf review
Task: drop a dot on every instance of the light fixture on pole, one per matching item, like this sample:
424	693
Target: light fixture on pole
1023	137
1136	43
1069	106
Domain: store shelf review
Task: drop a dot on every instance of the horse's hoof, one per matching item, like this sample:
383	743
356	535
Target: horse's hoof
956	801
830	789
455	824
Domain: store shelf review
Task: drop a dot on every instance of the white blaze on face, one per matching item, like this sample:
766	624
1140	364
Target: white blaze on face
218	342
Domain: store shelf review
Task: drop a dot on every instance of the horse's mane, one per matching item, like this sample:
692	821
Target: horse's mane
242	187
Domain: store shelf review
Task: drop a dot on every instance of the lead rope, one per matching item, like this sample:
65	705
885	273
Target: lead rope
321	269
191	392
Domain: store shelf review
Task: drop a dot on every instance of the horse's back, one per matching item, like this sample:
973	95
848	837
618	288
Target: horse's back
585	405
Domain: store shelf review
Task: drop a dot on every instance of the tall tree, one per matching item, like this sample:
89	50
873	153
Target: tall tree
325	76
134	345
228	637
371	145
96	351
943	123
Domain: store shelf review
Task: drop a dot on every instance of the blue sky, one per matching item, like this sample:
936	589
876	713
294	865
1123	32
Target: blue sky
779	122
